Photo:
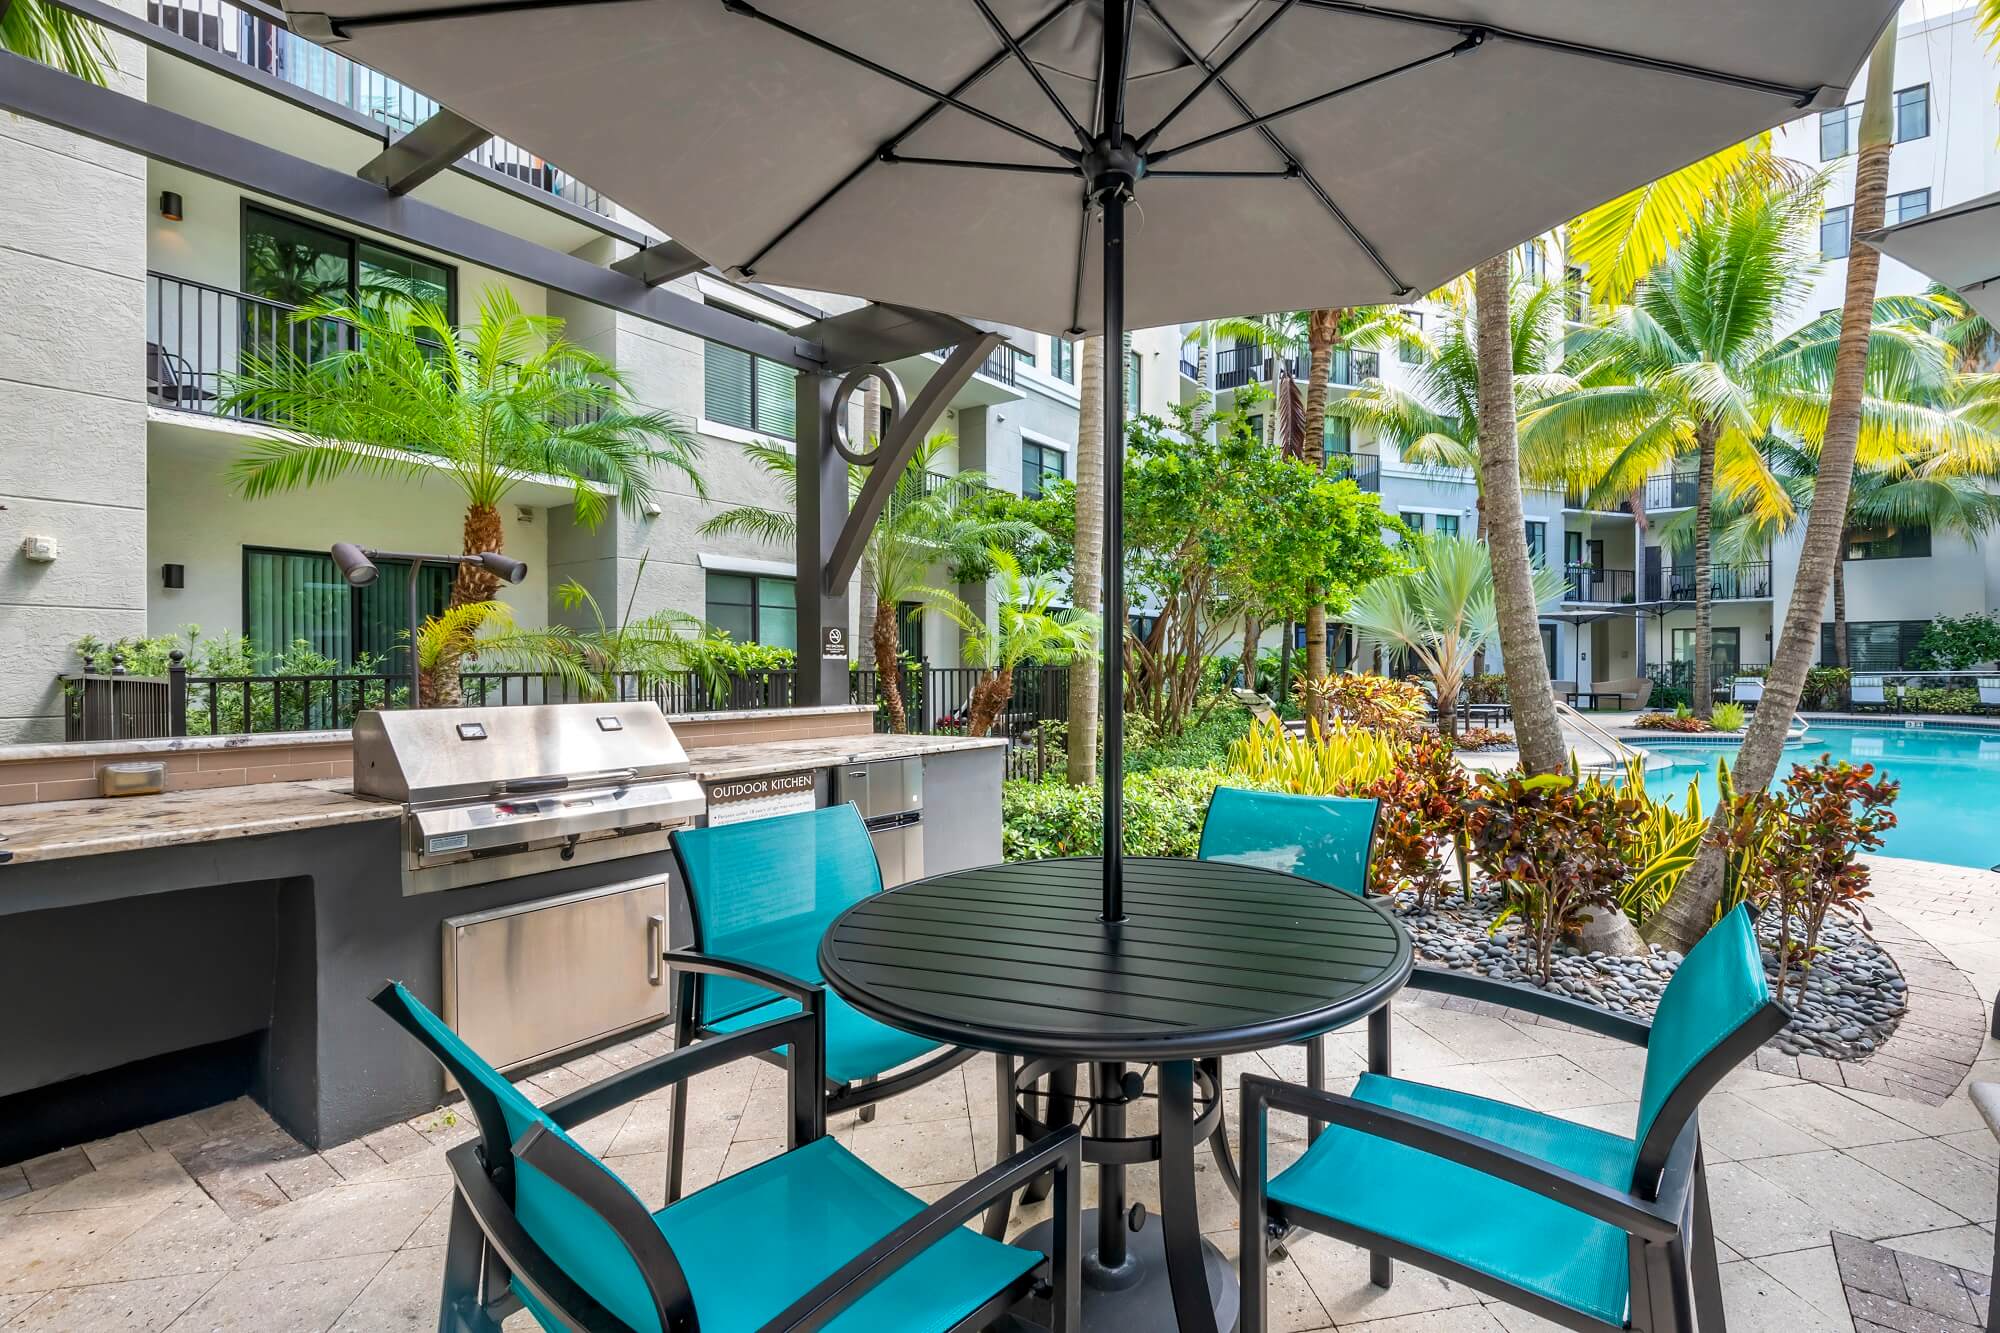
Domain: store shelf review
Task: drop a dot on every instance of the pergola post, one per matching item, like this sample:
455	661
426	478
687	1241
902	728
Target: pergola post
824	651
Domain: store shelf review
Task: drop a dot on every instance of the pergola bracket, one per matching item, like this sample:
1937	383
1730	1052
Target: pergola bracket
411	159
660	263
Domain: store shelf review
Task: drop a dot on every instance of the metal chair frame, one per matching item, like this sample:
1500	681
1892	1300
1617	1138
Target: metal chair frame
488	1251
1675	1283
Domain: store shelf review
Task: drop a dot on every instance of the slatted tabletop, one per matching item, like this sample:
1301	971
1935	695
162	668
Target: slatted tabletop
1215	959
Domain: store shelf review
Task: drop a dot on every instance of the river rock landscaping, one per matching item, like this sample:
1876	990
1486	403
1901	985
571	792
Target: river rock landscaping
1843	1008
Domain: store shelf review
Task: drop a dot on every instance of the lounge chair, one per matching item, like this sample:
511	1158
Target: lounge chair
1631	692
1262	709
812	1238
1989	692
1748	691
760	895
1582	1227
1864	692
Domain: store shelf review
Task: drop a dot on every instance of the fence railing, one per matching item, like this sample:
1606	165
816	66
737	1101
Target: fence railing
1726	582
116	706
1670	490
1590	583
1002	363
252	40
1364	469
1240	365
1679	675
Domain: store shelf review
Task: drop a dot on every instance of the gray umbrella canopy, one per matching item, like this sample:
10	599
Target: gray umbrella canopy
781	140
1959	247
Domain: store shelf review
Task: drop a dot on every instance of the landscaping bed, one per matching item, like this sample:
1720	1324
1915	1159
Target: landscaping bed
1852	999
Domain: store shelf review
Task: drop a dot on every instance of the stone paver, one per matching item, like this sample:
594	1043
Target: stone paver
1841	1204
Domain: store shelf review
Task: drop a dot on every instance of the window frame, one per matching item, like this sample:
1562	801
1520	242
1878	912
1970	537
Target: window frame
355	240
1895	214
394	662
1062	361
1043	448
1896	106
1826	217
758	367
756	605
1904	536
1537	550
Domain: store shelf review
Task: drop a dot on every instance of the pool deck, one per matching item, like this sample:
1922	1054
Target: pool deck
218	1220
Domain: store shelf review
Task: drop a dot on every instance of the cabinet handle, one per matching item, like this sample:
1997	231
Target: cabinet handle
656	948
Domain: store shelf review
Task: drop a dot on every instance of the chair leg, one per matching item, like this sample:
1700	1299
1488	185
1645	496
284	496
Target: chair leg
677	1120
866	1114
1381	1268
1253	1226
1002	1208
460	1308
1707	1270
1316	1080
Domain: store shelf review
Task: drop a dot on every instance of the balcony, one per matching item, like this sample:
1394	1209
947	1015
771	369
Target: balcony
1190	370
1247	363
1364	470
1002	366
1670	491
244	36
1593	585
197	335
1731	583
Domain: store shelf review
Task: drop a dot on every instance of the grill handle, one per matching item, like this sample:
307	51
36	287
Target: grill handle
558	781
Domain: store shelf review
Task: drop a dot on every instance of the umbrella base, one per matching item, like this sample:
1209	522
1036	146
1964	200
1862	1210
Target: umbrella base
1138	1296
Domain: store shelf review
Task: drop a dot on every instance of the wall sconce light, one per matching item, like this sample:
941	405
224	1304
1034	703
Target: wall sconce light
173	576
170	206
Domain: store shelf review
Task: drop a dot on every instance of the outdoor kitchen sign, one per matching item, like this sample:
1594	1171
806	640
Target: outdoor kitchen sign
735	800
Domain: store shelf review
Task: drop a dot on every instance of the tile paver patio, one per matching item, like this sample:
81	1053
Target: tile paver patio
220	1221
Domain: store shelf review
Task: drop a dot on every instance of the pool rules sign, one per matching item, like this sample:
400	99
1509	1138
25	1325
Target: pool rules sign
734	800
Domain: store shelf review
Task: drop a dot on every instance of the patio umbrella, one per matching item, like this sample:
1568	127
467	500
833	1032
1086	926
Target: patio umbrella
1959	247
1022	161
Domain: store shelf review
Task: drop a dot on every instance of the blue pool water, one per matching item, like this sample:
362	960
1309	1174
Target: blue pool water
1949	808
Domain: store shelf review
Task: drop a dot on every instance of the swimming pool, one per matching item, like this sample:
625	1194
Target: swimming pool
1949	809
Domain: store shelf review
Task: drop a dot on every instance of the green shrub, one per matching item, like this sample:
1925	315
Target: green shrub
1487	688
1954	643
1728	717
1932	698
1163	813
1203	745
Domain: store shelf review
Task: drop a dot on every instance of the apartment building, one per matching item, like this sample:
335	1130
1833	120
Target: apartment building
131	288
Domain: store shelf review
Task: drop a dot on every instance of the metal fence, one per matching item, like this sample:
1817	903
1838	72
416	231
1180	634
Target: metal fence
1246	362
1591	583
1365	470
1726	582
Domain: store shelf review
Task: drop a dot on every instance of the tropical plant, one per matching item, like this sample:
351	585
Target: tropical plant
1442	614
488	405
1026	627
1338	761
1362	699
1163	815
486	630
1954	643
1728	717
1087	572
1681	719
646	647
57	38
928	520
1423	817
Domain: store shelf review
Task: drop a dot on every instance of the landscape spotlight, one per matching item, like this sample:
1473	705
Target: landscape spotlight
505	568
354	564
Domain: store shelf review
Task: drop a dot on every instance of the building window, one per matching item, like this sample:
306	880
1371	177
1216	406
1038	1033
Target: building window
748	392
1874	645
1040	465
1131	383
1408	353
295	263
1907	206
755	608
1532	264
1833	232
1725	649
1838	130
1062	360
1538	541
1338	435
1446	525
1913	113
1413	519
293	597
1576	300
910	630
1888	541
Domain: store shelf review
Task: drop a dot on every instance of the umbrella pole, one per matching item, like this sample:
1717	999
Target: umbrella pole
1113	204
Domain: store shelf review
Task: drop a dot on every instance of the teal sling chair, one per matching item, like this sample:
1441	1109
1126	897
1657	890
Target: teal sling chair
810	1239
1587	1229
760	894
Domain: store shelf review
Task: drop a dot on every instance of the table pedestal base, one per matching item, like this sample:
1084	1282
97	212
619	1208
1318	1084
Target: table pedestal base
1137	1298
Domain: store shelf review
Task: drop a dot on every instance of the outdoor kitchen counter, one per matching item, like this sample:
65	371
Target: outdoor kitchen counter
51	830
712	763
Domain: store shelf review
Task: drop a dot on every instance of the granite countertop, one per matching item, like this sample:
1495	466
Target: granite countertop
711	762
52	830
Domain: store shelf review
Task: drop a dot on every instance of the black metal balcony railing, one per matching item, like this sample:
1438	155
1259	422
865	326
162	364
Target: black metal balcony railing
1590	583
1364	469
1002	364
1190	370
197	337
245	37
1244	363
1673	490
1726	582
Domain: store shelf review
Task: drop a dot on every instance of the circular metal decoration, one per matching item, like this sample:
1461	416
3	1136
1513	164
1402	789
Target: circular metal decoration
850	383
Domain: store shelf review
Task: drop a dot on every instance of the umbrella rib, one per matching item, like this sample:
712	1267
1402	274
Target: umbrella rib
1287	173
992	63
748	10
1278	146
1034	168
1034	71
1076	282
1800	96
1213	73
1470	42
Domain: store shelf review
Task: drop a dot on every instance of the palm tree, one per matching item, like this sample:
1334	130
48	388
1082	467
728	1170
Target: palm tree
488	405
1302	419
57	38
647	647
486	630
1442	613
1087	576
1698	365
928	520
1026	628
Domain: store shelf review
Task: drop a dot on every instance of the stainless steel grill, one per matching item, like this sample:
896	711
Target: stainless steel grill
493	793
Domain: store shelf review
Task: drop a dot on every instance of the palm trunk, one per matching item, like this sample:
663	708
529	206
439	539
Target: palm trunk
1251	630
483	533
989	697
1840	603
1087	575
888	671
1690	911
1322	331
1447	699
1704	591
1505	530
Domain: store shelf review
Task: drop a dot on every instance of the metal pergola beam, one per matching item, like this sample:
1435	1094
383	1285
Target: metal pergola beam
411	159
660	263
34	90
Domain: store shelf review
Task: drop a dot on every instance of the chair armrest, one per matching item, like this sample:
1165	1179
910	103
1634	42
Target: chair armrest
1629	1213
664	1071
795	988
1061	1151
1532	1000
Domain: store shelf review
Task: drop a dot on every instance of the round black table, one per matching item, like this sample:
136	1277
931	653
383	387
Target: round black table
1213	959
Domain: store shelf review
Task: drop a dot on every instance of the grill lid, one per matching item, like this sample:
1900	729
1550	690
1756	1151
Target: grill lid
444	754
